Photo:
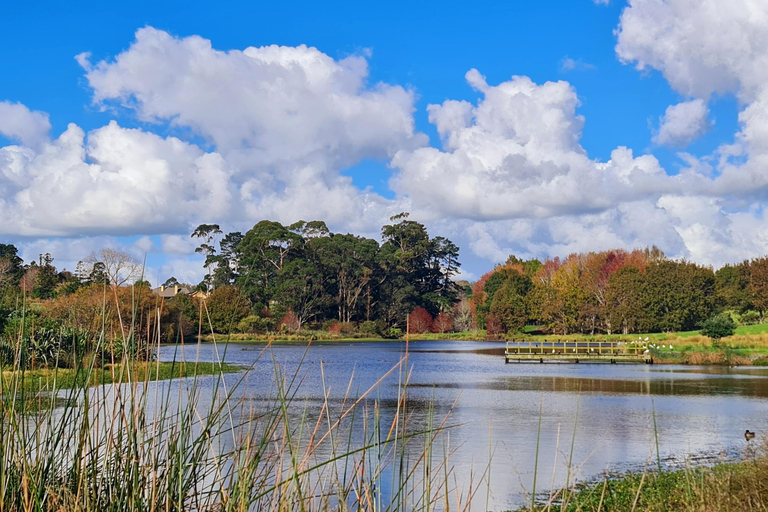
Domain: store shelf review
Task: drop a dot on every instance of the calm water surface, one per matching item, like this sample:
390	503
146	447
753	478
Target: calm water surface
701	412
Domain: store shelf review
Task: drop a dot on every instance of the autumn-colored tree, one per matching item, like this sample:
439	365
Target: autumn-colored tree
595	273
135	317
290	322
27	281
493	326
443	323
556	298
478	304
419	321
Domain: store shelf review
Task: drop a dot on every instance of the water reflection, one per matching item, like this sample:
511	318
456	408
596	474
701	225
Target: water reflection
757	387
700	413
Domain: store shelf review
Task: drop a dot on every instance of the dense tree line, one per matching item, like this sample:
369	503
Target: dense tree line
617	292
304	274
305	277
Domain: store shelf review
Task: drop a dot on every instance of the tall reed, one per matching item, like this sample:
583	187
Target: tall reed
198	443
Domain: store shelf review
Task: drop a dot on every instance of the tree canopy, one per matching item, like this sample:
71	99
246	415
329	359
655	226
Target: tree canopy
319	275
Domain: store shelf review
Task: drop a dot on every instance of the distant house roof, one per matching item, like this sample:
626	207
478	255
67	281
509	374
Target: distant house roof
199	294
172	291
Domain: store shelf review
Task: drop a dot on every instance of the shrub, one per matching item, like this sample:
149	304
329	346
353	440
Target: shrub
227	306
332	326
420	321
290	322
255	324
368	327
718	326
750	318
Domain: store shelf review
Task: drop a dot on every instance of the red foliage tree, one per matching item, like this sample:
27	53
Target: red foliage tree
335	328
290	321
420	321
443	323
493	326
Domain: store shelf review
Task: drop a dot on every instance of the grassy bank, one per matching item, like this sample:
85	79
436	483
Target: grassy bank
41	380
748	346
300	337
726	487
305	336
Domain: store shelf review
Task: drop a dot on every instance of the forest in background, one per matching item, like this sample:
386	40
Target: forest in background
304	278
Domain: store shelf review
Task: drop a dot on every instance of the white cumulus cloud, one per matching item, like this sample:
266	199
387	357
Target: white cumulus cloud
269	107
683	123
20	124
282	123
114	181
516	154
286	120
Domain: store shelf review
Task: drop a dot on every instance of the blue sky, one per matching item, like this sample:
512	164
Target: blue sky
428	46
424	47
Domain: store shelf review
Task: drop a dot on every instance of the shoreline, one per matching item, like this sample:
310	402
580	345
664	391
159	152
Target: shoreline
731	485
46	380
684	354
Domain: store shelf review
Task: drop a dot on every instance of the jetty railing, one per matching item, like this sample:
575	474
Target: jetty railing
577	351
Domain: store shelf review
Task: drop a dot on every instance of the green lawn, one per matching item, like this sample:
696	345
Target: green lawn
752	329
33	381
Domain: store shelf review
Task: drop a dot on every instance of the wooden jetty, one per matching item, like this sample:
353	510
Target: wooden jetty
577	352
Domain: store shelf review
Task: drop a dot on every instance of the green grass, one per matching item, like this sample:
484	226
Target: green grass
735	486
746	330
34	381
302	339
306	336
742	330
478	335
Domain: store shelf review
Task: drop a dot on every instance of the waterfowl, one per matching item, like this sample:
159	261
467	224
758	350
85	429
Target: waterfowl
749	435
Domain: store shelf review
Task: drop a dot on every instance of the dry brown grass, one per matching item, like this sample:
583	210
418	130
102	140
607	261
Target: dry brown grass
757	341
697	357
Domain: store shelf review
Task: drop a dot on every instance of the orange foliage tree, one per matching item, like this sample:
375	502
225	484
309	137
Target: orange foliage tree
420	321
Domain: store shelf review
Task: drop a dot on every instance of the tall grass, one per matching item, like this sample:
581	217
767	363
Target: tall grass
199	444
728	487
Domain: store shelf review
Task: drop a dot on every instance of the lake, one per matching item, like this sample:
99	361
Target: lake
701	413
